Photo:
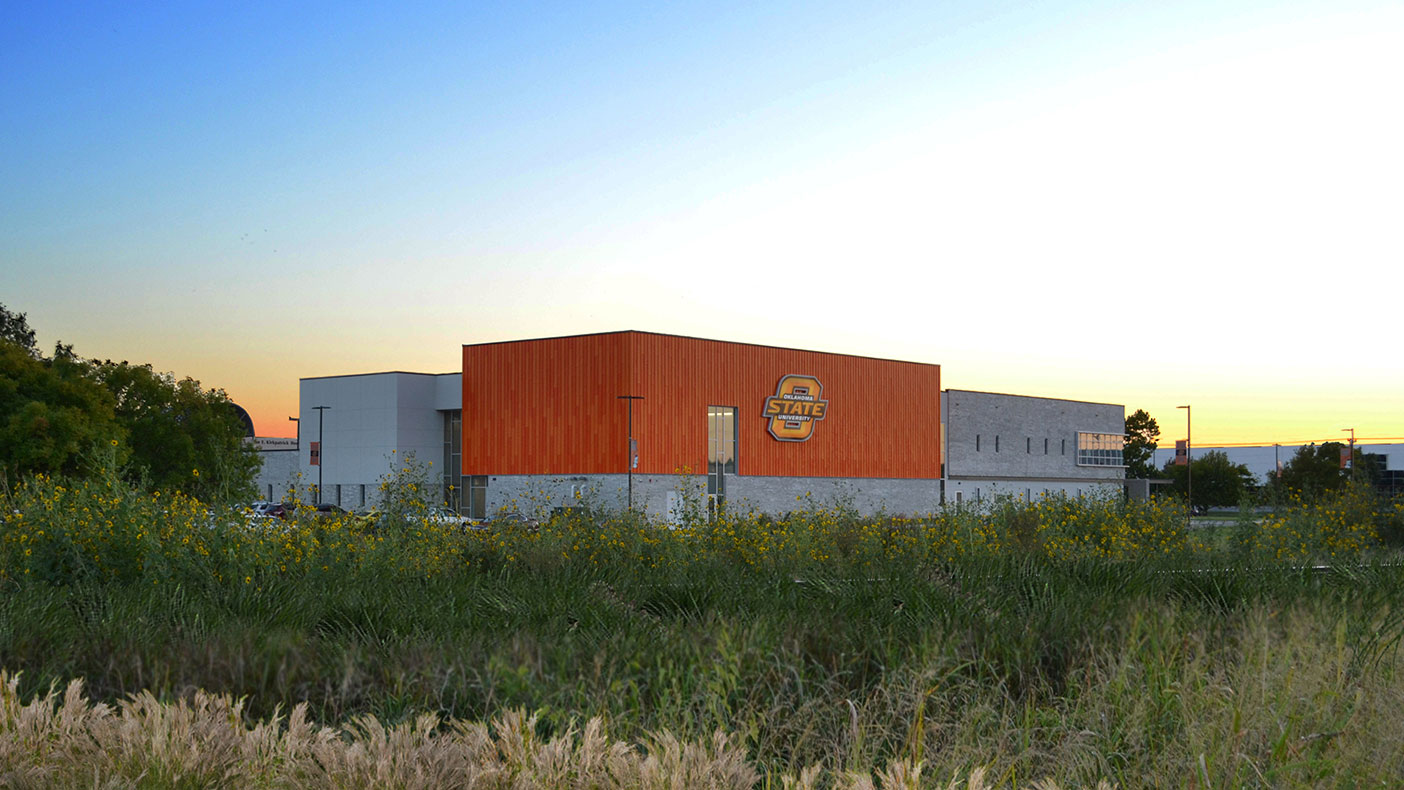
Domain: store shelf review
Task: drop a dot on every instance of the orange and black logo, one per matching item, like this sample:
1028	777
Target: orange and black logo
794	408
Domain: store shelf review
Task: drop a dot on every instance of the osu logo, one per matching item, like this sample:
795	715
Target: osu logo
794	408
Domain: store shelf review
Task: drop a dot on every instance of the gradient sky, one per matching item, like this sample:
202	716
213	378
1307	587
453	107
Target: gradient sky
1141	203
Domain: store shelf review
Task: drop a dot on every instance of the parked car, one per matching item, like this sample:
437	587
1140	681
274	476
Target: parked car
512	520
442	515
268	509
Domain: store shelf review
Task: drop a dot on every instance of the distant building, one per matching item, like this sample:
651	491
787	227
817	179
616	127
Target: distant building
1263	460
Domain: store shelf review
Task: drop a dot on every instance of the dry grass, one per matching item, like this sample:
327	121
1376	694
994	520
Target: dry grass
64	740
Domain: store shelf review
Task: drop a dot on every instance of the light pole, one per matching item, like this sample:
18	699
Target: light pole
631	454
1352	452
299	430
321	450
1189	464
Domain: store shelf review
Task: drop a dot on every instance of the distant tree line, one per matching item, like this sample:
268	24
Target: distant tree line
61	414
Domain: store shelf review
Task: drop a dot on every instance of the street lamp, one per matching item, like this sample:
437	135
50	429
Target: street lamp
321	450
299	430
632	453
1189	465
1352	452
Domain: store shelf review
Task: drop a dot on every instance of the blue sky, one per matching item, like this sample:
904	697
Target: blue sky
1130	202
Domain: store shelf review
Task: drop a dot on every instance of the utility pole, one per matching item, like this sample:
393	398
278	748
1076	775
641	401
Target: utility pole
1189	464
321	450
632	452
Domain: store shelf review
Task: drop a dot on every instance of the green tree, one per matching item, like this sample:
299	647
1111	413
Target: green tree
1316	469
1218	482
182	436
15	328
54	418
1142	437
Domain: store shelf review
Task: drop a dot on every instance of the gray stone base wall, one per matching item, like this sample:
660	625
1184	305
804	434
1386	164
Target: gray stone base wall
970	491
866	495
671	497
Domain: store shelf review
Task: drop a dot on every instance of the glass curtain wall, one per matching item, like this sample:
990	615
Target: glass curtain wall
1100	449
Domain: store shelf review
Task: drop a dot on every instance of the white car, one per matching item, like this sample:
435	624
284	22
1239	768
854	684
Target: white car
445	516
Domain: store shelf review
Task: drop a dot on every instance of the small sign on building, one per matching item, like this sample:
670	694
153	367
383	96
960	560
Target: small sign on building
316	453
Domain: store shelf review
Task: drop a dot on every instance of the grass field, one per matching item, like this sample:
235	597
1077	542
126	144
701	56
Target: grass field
1076	640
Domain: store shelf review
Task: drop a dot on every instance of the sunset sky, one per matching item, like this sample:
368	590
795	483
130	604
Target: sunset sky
1150	204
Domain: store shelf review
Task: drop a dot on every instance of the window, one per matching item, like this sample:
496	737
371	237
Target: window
1045	446
1100	449
476	494
721	453
977	442
996	442
453	460
1028	444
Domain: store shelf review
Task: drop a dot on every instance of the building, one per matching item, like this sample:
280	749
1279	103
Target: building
1264	460
664	423
1022	446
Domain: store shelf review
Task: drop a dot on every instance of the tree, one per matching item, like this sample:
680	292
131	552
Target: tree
15	328
1316	469
182	436
54	419
1218	482
62	414
1142	436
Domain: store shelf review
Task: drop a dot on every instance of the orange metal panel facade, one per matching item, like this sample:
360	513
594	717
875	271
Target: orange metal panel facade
552	407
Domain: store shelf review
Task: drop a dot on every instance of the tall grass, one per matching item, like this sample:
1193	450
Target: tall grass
1076	640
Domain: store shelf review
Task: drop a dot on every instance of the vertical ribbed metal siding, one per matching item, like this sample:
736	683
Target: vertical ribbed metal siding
544	406
883	419
551	407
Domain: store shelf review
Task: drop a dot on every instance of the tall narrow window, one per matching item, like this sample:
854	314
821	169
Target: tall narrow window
721	453
1045	446
996	442
453	460
1028	444
977	442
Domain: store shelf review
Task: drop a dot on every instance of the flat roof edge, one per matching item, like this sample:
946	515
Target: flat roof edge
705	340
380	373
1039	397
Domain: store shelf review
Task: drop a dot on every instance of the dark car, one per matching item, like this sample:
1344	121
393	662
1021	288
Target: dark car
268	510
